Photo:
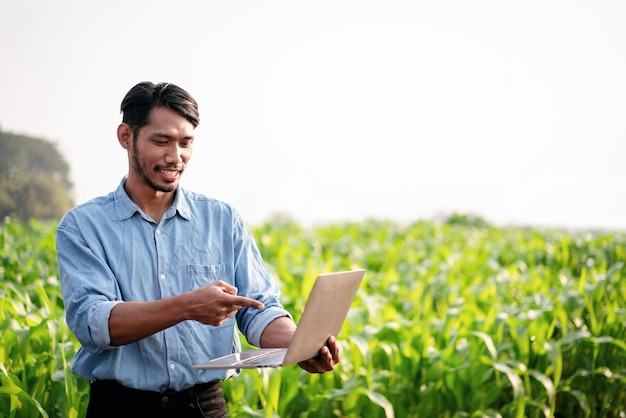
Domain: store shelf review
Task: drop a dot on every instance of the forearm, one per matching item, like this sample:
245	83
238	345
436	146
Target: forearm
132	321
278	333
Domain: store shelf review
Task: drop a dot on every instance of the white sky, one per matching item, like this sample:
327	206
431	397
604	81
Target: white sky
343	110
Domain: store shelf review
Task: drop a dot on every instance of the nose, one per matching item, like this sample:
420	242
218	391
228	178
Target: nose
174	154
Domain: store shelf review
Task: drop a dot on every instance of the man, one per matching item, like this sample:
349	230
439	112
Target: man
155	277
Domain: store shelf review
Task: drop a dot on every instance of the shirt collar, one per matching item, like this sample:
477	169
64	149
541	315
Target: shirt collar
125	207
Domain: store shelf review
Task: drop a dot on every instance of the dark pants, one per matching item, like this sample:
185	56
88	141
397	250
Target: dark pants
110	399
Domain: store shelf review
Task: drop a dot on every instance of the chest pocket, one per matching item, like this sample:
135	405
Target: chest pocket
198	275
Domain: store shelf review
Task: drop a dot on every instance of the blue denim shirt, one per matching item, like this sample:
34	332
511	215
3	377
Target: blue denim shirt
109	251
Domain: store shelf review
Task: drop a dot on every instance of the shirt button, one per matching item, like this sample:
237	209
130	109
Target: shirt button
172	366
162	276
158	231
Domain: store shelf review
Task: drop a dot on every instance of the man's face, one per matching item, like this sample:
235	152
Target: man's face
162	149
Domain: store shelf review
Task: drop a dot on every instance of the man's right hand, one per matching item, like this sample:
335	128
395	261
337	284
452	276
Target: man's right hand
214	303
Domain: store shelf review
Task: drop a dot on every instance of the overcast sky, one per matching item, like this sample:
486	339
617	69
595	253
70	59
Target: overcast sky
343	110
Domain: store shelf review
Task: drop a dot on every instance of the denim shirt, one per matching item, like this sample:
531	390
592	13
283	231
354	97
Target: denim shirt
109	251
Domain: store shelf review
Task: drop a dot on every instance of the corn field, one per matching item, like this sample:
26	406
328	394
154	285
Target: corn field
457	318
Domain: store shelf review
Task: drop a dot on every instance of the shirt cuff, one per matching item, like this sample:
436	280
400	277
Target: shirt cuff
99	324
262	320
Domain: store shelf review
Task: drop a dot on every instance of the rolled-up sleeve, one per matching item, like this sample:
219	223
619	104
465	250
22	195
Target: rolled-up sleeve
261	320
98	322
87	284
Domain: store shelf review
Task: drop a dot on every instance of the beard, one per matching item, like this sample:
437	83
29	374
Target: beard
168	188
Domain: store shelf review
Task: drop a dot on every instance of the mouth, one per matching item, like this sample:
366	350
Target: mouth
169	174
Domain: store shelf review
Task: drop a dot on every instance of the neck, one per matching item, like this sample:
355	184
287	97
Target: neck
153	203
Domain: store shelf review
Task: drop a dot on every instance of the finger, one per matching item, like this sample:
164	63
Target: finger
247	302
333	347
326	359
324	354
226	288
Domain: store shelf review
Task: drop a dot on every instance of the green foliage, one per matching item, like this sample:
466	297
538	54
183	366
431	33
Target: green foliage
36	346
454	319
34	179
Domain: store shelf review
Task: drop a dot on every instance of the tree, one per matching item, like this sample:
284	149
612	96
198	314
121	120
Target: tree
34	179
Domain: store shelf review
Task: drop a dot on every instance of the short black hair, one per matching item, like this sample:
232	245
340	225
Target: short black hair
145	96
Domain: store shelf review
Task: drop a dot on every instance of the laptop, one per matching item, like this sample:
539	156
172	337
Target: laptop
324	313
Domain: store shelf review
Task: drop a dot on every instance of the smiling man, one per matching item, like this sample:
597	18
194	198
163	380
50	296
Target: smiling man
156	278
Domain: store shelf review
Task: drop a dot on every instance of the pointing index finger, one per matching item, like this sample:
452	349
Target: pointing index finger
248	302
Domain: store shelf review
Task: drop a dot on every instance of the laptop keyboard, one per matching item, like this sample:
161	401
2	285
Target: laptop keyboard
269	357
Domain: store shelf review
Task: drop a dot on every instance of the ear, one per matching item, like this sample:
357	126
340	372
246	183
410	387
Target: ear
124	135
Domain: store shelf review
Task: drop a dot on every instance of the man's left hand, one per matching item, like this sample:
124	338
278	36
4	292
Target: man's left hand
326	359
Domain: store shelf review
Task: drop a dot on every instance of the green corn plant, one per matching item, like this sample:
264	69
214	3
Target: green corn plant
454	319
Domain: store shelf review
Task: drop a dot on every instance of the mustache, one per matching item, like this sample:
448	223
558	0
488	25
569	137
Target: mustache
177	167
